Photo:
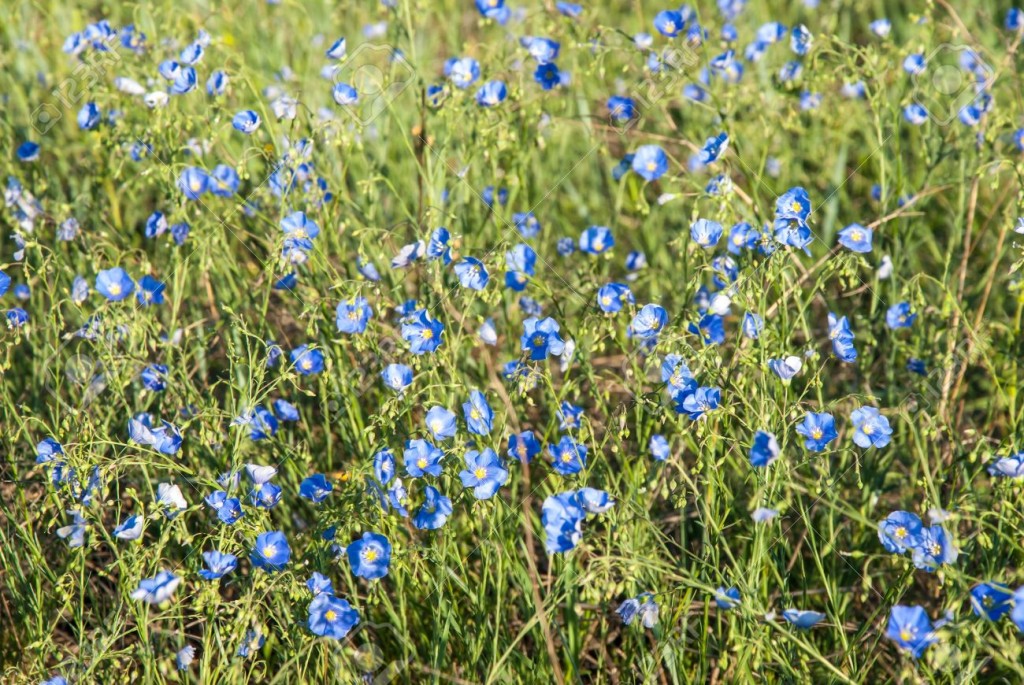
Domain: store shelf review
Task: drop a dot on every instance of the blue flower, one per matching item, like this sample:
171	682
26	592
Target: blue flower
183	659
74	533
422	458
521	264
217	83
803	620
151	291
915	114
462	71
422	333
435	510
568	456
596	240
880	27
650	162
397	377
914	64
547	75
706	233
752	325
856	238
492	9
441	423
157	589
484	473
523	446
594	501
471	273
297	226
319	584
793	204
331	617
527	224
899	531
1017	614
621	109
223	182
612	297
713	148
540	338
315	488
786	368
218	564
345	95
800	40
900	316
337	50
643	606
569	9
933	548
700	402
307	361
383	465
911	629
370	556
742	236
165	438
185	81
129	529
114	284
491	93
153	377
353	315
842	338
229	509
991	601
659	448
88	116
193	181
271	551
562	517
285	410
156	224
246	121
765	449
569	416
727	598
28	151
1008	467
818	430
669	23
649	321
872	429
478	414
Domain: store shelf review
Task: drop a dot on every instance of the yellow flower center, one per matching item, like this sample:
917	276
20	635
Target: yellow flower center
480	472
330	615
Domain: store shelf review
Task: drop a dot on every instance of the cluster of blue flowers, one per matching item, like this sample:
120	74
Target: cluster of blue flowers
423	448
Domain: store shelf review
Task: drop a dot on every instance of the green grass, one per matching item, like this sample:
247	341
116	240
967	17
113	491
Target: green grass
480	600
